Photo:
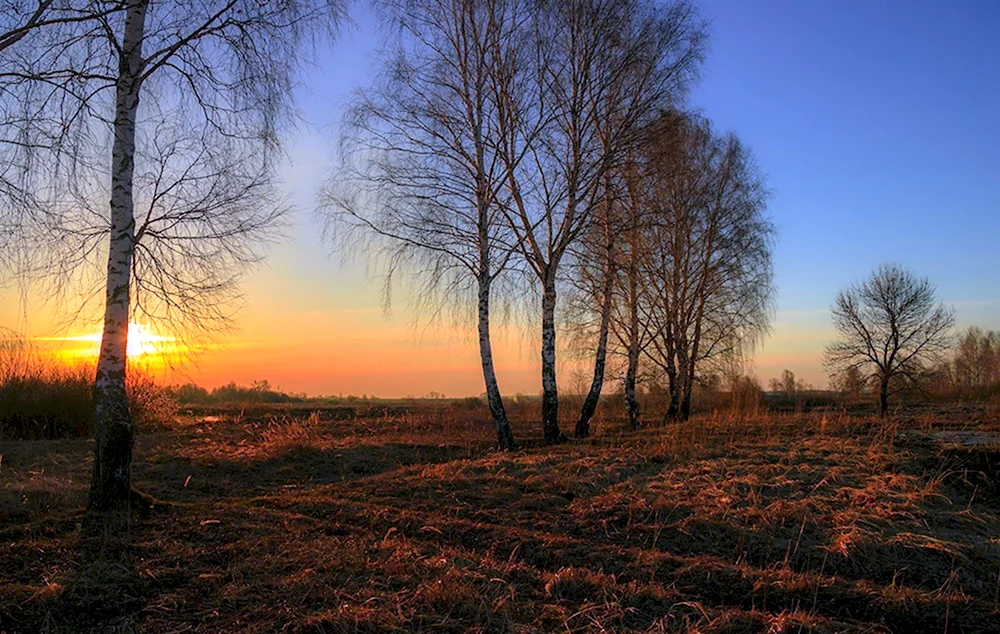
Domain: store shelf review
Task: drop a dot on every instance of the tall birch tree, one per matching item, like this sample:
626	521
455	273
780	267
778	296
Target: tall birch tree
583	81
426	187
706	270
188	100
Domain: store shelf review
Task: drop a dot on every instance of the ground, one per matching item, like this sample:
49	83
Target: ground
400	522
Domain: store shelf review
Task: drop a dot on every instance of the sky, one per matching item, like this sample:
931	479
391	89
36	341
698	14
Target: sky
877	126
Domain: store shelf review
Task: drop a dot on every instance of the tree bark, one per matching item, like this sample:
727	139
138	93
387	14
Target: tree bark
883	397
632	371
631	404
673	383
685	409
601	356
550	393
673	391
505	437
689	371
115	431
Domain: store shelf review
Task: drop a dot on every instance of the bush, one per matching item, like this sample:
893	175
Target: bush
41	397
470	404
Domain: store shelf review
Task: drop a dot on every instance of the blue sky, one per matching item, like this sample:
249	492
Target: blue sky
879	126
877	123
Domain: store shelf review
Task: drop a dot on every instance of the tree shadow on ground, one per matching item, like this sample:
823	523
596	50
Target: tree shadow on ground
104	592
209	479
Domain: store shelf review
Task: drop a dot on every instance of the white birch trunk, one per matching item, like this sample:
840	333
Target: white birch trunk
505	437
115	431
550	393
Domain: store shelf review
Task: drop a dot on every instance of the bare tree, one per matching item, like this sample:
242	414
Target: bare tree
891	327
191	196
427	185
572	100
632	333
603	309
43	101
977	362
706	265
851	383
591	295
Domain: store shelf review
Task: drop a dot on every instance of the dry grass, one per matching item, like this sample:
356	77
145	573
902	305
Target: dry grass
411	523
42	396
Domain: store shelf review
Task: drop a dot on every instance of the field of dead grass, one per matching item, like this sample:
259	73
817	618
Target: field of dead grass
411	523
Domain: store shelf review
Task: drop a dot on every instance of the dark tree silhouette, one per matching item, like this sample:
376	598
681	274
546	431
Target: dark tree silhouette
186	100
423	189
891	328
572	102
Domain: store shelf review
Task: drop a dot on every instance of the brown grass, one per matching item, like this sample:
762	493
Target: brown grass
411	523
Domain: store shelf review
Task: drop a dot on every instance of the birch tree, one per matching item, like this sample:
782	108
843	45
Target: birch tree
187	99
594	278
571	99
706	267
426	188
631	331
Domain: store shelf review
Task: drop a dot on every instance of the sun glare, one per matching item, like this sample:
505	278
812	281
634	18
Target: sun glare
142	342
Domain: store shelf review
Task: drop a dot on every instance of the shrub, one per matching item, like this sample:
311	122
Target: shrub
42	397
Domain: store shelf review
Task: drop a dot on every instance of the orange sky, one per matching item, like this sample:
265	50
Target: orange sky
304	339
328	334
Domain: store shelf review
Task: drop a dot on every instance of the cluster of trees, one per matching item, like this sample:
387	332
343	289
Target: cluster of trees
509	148
975	369
972	371
788	385
895	337
533	148
256	392
171	110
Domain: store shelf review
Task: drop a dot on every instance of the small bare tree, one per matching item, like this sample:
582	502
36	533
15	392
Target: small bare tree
891	328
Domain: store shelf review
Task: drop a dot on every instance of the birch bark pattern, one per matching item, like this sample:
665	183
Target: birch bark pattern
505	437
115	431
601	356
550	392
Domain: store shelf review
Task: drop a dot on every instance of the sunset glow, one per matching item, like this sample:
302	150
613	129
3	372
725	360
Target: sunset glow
143	343
313	319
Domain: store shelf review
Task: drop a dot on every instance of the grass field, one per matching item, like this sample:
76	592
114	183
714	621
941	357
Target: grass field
411	523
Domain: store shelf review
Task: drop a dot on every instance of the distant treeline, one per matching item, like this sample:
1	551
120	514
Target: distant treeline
256	392
974	370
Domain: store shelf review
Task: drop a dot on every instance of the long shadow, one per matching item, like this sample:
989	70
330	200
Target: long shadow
104	592
187	480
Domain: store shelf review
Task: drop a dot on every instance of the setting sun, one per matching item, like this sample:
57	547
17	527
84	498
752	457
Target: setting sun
142	342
